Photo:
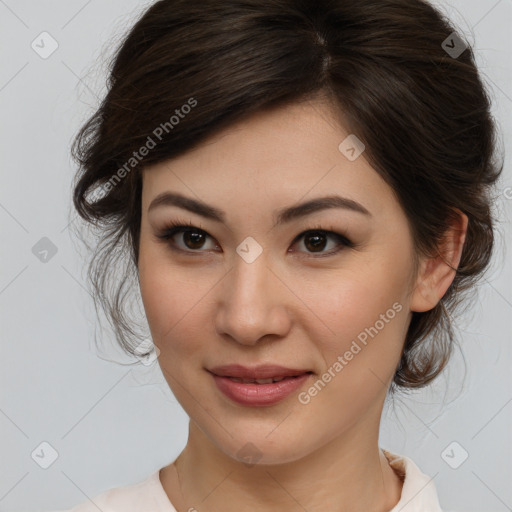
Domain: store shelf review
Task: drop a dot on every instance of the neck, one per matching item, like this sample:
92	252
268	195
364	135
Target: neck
358	479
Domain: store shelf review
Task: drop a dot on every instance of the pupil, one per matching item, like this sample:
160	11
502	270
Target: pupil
319	242
193	239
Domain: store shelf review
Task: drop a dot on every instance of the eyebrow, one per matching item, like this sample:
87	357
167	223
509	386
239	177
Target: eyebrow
284	215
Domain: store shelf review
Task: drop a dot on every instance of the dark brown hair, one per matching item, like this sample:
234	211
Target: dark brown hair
422	112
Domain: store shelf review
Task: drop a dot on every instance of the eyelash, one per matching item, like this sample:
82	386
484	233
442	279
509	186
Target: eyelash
178	226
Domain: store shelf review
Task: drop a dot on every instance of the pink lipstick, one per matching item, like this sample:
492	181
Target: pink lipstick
258	386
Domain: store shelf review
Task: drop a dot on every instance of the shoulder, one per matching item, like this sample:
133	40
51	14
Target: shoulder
146	494
419	491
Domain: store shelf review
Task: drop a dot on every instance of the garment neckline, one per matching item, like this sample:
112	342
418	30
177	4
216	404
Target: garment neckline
415	486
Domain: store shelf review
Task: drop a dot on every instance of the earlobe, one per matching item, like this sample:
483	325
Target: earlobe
436	273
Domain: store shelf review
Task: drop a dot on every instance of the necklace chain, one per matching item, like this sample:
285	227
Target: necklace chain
175	464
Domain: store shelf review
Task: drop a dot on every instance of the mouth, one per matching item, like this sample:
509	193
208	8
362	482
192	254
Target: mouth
263	381
262	374
258	386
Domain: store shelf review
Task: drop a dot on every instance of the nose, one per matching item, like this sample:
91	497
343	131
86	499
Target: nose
253	302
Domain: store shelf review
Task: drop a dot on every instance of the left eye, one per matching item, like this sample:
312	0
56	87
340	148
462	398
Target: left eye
315	241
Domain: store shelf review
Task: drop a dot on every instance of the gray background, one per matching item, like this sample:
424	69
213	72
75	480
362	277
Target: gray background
113	423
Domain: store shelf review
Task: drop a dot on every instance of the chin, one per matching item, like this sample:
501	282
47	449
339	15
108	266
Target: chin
257	447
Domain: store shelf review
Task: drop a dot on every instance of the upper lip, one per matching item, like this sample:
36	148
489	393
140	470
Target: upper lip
265	371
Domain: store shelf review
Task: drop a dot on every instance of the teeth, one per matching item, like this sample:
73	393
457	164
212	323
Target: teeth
257	381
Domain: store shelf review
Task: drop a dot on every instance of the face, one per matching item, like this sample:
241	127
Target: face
323	289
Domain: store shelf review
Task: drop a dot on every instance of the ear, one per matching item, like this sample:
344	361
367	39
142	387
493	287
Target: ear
435	274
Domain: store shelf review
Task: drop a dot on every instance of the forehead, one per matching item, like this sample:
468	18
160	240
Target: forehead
280	155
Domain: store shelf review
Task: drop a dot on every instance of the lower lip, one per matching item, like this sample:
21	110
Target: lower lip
259	394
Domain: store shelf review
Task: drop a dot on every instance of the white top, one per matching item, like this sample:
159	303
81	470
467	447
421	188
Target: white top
418	493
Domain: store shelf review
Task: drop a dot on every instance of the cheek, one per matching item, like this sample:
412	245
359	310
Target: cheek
360	353
363	313
365	324
158	288
174	301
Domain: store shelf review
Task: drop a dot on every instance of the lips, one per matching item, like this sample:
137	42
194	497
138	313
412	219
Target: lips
258	386
263	374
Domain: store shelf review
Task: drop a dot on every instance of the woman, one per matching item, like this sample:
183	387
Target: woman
303	188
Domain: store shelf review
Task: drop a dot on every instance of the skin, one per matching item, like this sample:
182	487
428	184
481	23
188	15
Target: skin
208	306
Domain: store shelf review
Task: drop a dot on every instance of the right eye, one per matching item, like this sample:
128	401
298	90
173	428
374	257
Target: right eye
192	237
